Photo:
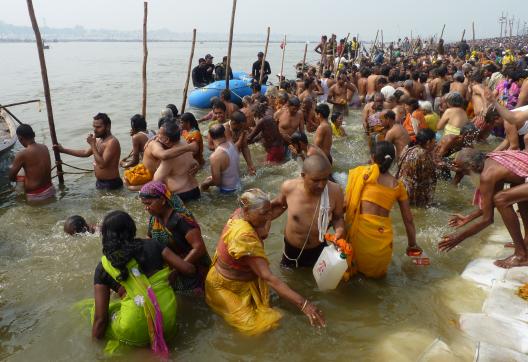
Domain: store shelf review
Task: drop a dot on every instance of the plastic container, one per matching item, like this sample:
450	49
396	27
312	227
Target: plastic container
20	179
329	268
418	257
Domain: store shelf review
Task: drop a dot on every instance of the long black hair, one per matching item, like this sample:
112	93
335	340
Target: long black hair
384	154
120	245
189	117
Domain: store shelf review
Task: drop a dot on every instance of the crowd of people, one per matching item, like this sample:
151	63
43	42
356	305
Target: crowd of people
426	112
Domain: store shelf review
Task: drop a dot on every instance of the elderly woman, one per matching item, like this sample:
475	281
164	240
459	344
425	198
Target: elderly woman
174	226
237	285
146	314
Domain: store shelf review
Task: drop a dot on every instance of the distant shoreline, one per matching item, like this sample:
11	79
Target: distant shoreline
140	40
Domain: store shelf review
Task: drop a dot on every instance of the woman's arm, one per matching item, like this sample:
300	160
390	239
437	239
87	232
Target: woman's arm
194	238
102	297
260	267
408	221
177	263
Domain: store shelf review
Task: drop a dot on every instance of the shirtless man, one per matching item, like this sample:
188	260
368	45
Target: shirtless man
399	108
176	172
448	146
35	160
523	94
337	95
236	131
225	96
323	134
477	93
291	120
300	147
271	137
311	89
459	85
371	113
418	90
455	117
106	151
362	83
396	134
371	84
308	110
225	173
247	104
437	84
305	199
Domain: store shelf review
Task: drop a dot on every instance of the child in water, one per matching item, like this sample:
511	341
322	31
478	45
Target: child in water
337	125
75	225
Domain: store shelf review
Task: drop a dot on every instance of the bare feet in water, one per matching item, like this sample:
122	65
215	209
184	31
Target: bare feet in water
511	262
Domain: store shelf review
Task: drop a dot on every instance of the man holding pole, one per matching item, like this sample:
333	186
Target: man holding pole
106	151
255	71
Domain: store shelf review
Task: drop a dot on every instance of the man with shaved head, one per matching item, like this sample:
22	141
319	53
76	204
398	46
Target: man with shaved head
312	203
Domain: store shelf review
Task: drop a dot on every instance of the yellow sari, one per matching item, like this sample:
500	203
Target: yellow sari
243	304
369	235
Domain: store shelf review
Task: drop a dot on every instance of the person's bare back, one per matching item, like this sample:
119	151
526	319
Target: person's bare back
323	137
399	137
460	88
36	162
175	172
456	117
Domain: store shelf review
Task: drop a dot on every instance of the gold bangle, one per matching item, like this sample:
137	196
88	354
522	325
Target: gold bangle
304	305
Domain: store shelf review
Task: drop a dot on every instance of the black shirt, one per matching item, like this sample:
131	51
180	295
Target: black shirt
149	262
179	228
199	77
220	72
255	71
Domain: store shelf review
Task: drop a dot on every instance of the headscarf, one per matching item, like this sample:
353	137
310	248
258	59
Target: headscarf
157	189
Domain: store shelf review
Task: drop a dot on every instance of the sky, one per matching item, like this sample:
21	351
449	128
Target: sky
397	18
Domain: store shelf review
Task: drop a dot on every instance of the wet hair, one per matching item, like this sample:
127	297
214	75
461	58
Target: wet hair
219	105
259	109
323	110
335	116
459	77
163	120
294	101
423	77
365	72
385	70
138	123
415	75
283	97
172	130
390	115
118	233
217	131
238	117
104	118
189	117
398	94
225	94
446	88
75	224
442	71
25	131
174	109
382	81
299	137
425	135
454	99
413	102
471	158
327	73
384	154
477	77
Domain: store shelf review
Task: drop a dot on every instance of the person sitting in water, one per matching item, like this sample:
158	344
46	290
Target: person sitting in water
337	125
193	136
76	224
417	169
177	172
370	194
495	169
455	117
106	151
146	314
225	171
271	138
136	173
313	203
237	286
174	226
35	160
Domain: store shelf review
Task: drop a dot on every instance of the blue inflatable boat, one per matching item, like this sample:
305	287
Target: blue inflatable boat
240	86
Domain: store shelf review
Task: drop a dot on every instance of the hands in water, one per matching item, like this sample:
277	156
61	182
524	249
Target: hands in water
448	242
315	316
457	220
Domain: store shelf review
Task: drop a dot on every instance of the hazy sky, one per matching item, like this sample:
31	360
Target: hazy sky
308	17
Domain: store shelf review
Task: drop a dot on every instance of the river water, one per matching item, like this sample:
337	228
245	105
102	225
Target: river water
43	273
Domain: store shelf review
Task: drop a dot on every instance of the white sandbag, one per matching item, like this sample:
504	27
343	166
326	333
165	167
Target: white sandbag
489	353
483	272
437	351
503	332
504	302
517	276
404	345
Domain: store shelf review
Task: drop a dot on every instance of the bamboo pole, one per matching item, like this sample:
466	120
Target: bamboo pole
282	60
323	55
382	43
304	59
463	34
189	69
442	33
19	103
333	45
374	44
47	94
230	45
264	59
473	29
145	56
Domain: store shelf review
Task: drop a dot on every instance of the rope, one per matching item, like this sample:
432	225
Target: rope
74	167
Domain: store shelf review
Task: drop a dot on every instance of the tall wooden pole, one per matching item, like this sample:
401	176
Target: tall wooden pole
442	33
282	60
145	56
230	45
463	34
374	44
264	59
47	94
189	69
323	58
382	42
304	59
473	30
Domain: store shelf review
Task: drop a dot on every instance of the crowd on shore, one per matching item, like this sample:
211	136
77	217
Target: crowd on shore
427	109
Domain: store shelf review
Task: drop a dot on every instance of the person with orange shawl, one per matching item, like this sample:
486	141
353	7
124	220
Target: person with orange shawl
370	194
415	119
237	286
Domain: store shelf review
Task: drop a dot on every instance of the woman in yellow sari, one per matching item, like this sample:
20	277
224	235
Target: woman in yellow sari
237	285
370	194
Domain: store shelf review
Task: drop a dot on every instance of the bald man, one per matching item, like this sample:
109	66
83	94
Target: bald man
312	203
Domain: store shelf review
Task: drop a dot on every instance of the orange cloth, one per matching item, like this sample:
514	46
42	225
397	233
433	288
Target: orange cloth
191	136
138	175
414	123
384	196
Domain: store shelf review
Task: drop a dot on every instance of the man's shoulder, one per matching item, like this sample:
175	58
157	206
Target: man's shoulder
291	184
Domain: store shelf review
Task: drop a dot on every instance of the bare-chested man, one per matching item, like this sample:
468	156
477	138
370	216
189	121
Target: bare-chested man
418	90
338	94
458	85
371	113
311	89
455	117
236	131
323	134
300	147
477	93
271	137
308	110
106	151
437	84
291	120
312	203
35	160
371	84
362	83
396	134
225	96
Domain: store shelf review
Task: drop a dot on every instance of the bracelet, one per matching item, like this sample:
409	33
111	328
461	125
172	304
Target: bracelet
304	305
